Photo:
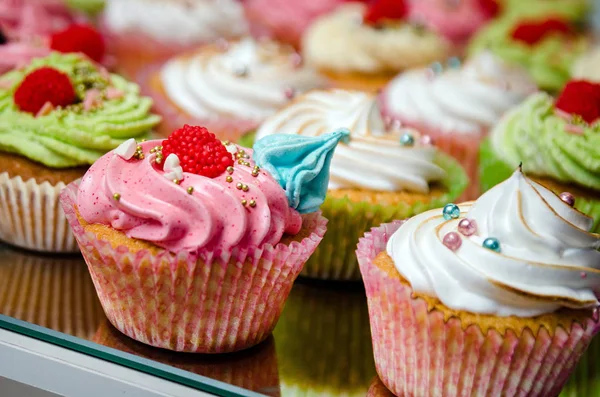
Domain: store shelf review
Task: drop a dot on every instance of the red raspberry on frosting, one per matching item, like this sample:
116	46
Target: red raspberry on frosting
531	32
199	151
582	98
381	10
79	38
43	85
490	8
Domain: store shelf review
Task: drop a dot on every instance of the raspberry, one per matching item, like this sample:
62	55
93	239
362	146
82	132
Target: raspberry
43	85
531	32
380	10
490	8
199	151
581	98
79	38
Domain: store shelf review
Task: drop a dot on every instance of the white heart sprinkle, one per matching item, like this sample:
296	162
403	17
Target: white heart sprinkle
126	150
231	148
171	162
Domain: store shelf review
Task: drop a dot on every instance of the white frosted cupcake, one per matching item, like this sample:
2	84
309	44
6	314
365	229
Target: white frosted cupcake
457	106
359	47
382	173
230	87
162	27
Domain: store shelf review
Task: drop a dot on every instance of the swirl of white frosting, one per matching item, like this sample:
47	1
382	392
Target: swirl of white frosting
586	67
373	159
341	43
248	80
548	259
466	100
181	22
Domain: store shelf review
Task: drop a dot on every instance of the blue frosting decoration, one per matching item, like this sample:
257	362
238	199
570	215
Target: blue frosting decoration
300	164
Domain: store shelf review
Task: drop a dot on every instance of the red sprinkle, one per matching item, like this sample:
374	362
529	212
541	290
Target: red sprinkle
531	32
43	85
199	151
380	10
582	98
79	38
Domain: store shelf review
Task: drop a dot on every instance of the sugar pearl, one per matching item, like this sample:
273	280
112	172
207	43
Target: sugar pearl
492	243
452	240
567	198
468	227
451	211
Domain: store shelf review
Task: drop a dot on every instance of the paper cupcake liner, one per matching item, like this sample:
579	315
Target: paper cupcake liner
378	389
335	258
324	342
254	369
206	304
494	171
418	353
585	380
174	118
31	217
52	291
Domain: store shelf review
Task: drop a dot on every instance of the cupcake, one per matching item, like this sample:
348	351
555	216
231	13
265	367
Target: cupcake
57	116
575	11
324	342
546	46
229	87
285	20
208	247
457	21
254	369
362	47
382	173
33	28
457	106
492	297
92	7
378	389
160	28
587	66
557	141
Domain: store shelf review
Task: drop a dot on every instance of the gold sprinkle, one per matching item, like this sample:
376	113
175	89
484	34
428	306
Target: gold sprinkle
190	190
152	150
240	161
139	148
158	160
230	169
226	143
159	147
117	196
247	164
254	173
176	181
252	203
245	188
244	202
239	186
229	179
143	139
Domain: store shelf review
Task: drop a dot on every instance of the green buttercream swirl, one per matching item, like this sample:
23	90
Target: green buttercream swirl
549	61
72	137
573	10
534	134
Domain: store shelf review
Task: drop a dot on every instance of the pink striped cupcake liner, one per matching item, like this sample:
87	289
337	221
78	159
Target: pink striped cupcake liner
193	303
174	118
418	353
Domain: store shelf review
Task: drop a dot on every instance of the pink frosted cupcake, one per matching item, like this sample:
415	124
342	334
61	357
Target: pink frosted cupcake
160	28
33	28
230	88
493	297
286	20
456	20
205	237
457	106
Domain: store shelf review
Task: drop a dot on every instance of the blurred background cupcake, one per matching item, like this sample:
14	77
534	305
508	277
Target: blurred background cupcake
254	369
360	46
382	173
547	46
90	7
323	342
457	104
587	66
575	11
558	142
58	115
230	87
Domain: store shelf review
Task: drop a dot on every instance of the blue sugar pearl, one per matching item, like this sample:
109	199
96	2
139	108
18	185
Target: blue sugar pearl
407	140
436	67
454	63
492	243
451	211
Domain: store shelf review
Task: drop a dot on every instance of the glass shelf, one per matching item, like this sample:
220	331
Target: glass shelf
321	345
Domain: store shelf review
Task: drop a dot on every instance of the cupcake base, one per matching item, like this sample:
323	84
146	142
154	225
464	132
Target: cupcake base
357	81
420	350
191	303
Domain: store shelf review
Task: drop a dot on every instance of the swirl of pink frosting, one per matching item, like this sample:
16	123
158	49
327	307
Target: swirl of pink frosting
27	25
211	219
457	20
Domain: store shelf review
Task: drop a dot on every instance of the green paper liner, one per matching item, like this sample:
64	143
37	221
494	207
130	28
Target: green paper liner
324	341
335	257
493	170
585	379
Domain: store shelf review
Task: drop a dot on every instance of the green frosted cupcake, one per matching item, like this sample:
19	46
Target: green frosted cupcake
58	115
571	10
88	6
558	143
546	47
382	173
